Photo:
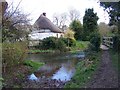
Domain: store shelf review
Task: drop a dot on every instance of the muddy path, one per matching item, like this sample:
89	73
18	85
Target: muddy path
106	76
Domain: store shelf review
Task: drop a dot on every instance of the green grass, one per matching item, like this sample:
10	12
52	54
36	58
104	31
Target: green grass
33	64
80	45
114	57
39	51
84	70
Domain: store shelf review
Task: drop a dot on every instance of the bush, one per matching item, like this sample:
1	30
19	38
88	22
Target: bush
54	43
116	43
57	43
13	53
49	43
95	41
72	42
60	45
69	43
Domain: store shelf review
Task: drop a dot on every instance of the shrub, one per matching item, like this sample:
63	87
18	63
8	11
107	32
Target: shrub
70	43
116	43
53	43
49	43
13	53
95	41
60	45
57	43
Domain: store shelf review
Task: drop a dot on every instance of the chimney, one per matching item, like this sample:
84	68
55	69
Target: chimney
44	14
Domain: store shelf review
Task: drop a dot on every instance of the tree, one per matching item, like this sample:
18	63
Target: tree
14	24
114	29
60	20
76	26
104	29
113	9
74	14
69	34
89	23
95	41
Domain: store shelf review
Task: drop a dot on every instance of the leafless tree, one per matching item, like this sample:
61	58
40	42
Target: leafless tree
104	29
14	23
74	14
60	19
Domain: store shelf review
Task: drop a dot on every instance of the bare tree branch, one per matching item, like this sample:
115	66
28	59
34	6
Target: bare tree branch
14	11
60	19
74	14
15	23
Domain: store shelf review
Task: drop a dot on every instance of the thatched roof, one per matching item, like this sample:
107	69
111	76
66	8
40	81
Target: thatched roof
44	23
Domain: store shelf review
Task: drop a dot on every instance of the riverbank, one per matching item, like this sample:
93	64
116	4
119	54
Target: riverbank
43	83
36	51
80	46
84	70
14	77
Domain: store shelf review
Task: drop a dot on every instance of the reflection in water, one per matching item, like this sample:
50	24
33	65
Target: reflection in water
47	70
57	66
64	73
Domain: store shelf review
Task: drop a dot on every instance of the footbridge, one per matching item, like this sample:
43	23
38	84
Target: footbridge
107	42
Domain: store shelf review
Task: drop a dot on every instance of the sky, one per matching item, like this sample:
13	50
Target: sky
37	7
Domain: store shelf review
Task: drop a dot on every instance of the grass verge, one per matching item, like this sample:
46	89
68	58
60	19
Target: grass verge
40	51
80	45
84	70
115	57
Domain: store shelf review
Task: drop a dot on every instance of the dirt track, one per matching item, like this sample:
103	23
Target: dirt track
105	76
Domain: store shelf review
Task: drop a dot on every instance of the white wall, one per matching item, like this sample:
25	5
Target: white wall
41	36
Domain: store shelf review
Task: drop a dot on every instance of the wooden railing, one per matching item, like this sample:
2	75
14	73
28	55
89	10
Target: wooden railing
107	41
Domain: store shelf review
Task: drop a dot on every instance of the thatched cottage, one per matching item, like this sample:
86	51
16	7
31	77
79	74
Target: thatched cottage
43	28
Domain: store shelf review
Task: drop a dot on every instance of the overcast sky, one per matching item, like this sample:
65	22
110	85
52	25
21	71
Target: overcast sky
37	7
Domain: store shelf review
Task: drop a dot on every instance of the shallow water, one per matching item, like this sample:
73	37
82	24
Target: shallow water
59	66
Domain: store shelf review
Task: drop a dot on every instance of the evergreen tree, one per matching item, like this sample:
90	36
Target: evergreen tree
89	23
76	26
